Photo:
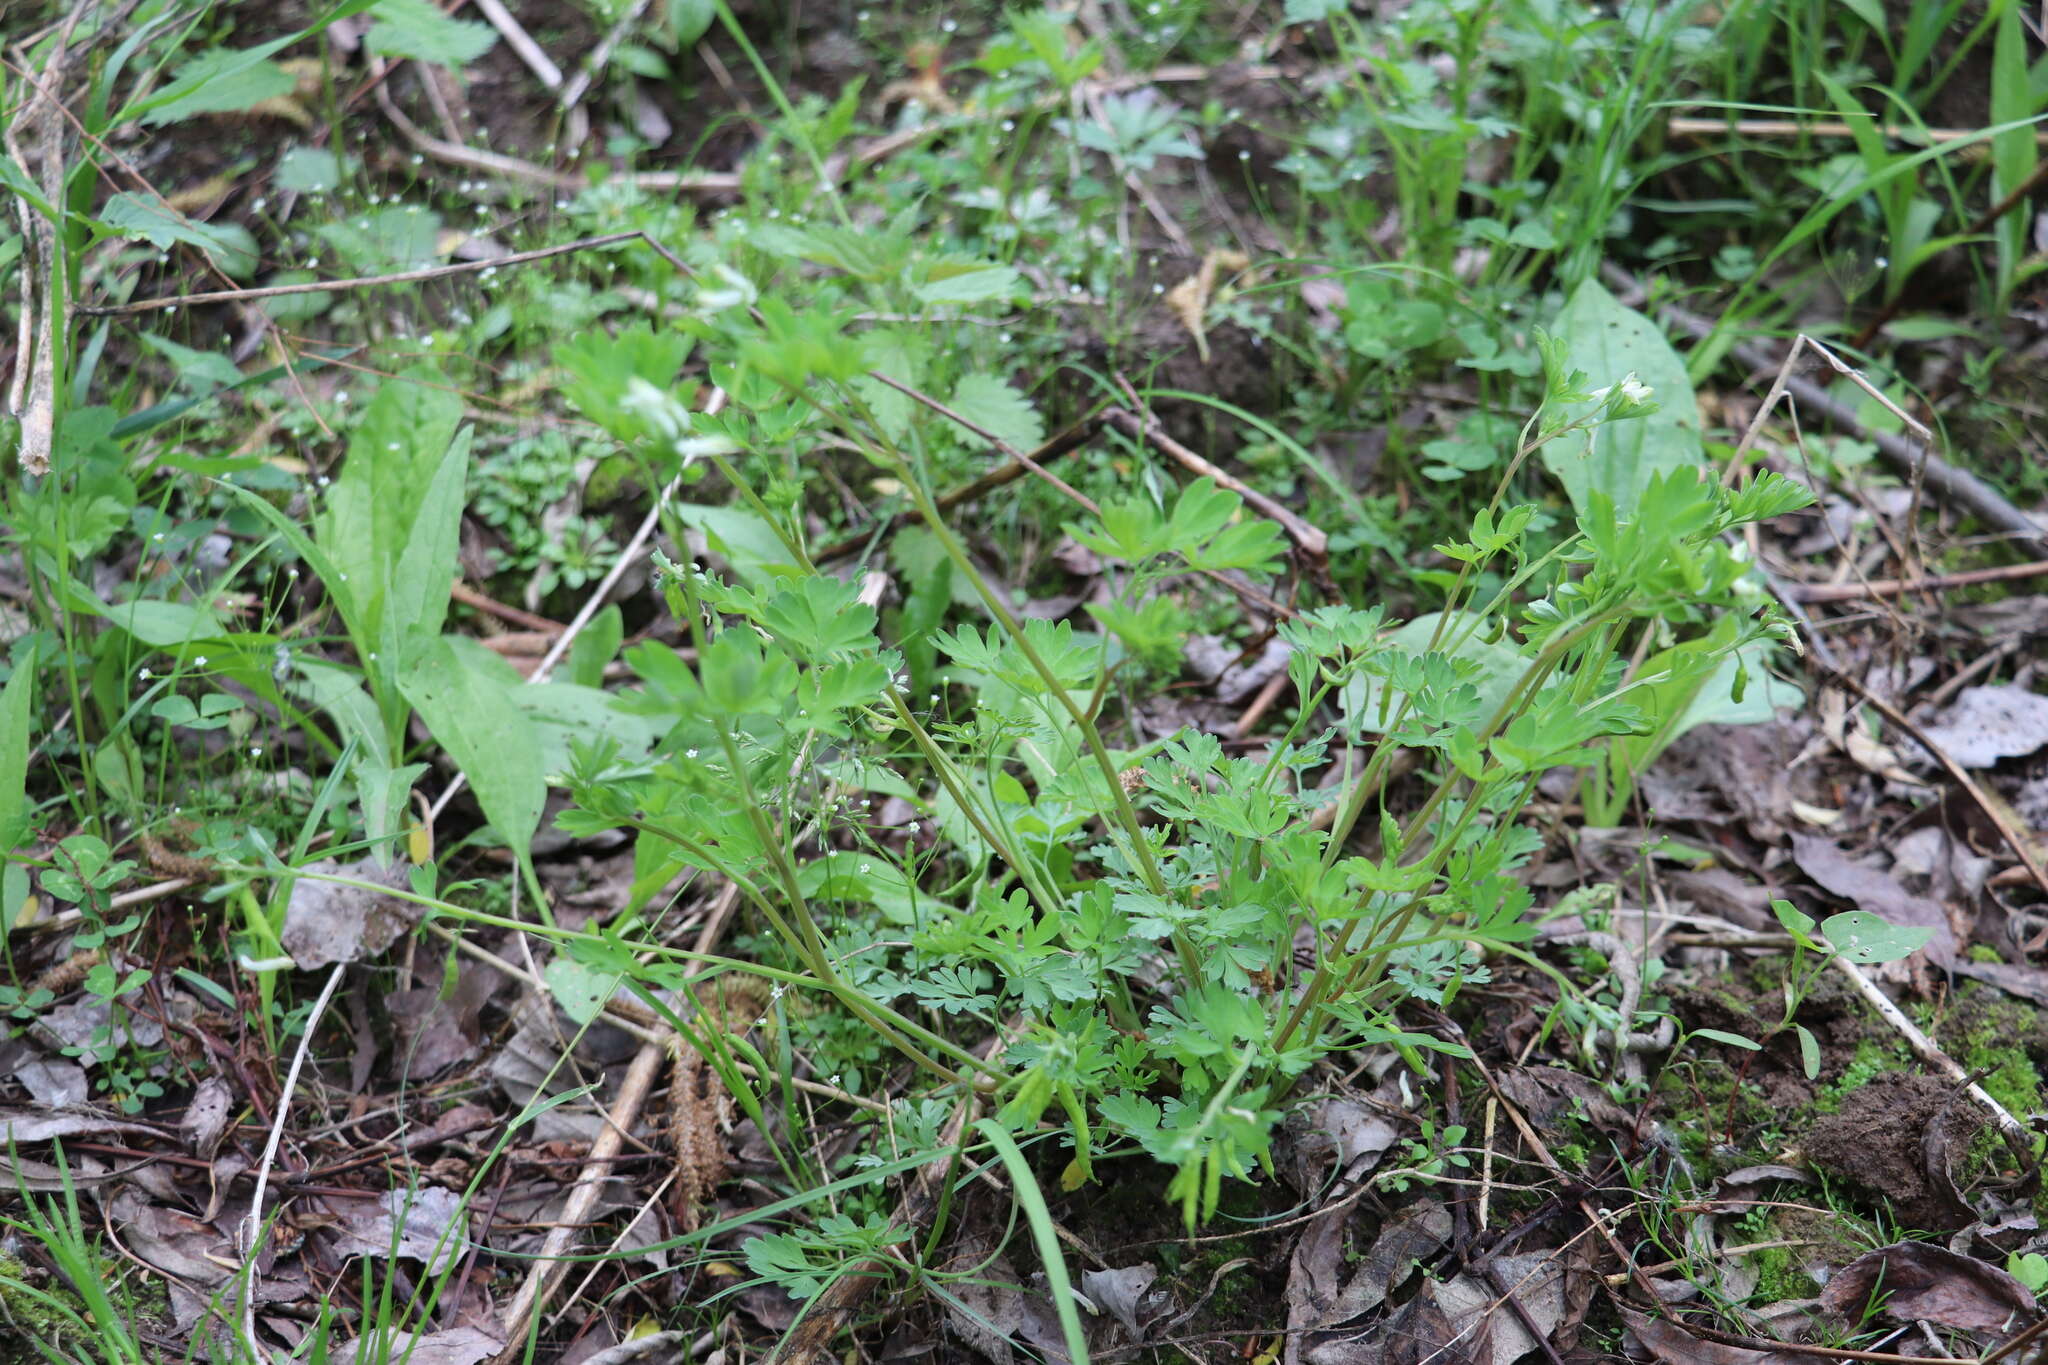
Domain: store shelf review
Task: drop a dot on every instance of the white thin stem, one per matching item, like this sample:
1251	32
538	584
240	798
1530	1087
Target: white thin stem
254	1225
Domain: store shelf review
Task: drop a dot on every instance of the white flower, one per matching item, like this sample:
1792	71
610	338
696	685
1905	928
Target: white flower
1633	390
669	421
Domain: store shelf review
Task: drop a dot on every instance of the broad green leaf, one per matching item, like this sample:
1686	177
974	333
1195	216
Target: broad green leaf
134	215
308	170
221	81
416	599
169	104
15	714
747	543
596	647
1796	921
1809	1051
1862	937
199	371
564	714
580	989
417	29
861	878
993	405
165	625
1609	341
689	20
1500	666
968	282
478	720
390	524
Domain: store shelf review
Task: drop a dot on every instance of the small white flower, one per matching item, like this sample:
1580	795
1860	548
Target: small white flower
199	662
1635	390
143	674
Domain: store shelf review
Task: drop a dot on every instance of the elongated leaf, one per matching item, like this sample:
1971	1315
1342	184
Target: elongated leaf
416	598
1610	341
189	94
14	723
476	719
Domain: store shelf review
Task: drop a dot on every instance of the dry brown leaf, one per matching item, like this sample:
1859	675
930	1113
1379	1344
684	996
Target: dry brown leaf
1674	1345
1986	724
326	922
1921	1282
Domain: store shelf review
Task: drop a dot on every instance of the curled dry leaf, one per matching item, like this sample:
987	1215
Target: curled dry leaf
1125	1295
1921	1282
206	1116
1189	300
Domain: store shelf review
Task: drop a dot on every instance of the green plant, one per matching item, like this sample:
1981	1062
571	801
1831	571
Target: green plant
1854	936
1212	860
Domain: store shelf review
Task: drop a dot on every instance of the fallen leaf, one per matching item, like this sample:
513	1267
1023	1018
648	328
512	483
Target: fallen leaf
1477	1309
1676	1346
1986	724
454	1346
206	1116
1123	1294
425	1225
1921	1282
326	922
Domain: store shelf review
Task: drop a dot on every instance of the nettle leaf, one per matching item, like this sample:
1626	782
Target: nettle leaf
1863	938
901	355
1607	341
993	405
418	30
132	215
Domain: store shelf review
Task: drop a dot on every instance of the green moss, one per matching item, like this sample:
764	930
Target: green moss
27	1315
1872	1057
1983	952
1779	1276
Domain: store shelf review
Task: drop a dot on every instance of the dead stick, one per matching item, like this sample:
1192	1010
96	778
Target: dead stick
1895	587
432	272
491	606
641	1073
1966	490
